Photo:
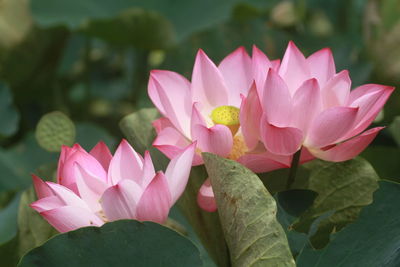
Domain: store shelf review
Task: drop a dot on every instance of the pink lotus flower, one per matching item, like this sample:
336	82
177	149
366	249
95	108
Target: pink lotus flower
305	103
96	187
207	110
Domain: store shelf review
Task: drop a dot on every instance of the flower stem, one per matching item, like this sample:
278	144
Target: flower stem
293	169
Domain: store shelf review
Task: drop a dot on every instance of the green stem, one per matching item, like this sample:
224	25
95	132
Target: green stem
293	169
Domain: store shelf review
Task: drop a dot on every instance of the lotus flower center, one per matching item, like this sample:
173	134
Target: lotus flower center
228	116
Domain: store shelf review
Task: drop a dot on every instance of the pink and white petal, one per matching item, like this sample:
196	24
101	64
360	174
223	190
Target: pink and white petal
197	117
102	154
307	104
68	197
237	73
178	171
90	188
208	86
120	201
276	101
205	197
370	99
294	68
126	164
249	117
348	149
330	126
148	170
217	139
170	93
322	65
260	66
68	218
280	140
263	162
170	142
47	203
41	188
155	203
337	90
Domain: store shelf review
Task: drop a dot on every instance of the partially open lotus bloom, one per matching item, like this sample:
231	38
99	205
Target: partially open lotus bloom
305	103
207	110
96	187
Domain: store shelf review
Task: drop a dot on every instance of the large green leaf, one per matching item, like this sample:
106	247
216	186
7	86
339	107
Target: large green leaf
33	230
248	215
120	243
138	27
140	133
394	129
8	220
343	189
185	16
18	162
373	240
385	160
9	117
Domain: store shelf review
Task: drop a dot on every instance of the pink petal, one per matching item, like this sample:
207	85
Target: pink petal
161	124
41	188
306	155
330	126
155	202
148	170
307	104
208	86
348	149
280	140
65	153
370	99
126	164
178	171
66	173
250	116
294	68
68	218
276	101
322	65
264	162
276	64
170	93
47	203
205	197
120	201
237	73
336	91
102	154
90	188
217	139
260	66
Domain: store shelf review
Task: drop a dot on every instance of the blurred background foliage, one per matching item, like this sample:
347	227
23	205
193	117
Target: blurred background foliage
90	60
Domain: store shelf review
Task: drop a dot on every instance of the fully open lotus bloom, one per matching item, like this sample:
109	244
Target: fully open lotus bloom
305	103
207	110
96	187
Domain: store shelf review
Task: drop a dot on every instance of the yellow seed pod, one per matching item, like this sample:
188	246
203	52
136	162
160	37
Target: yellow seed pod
228	116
